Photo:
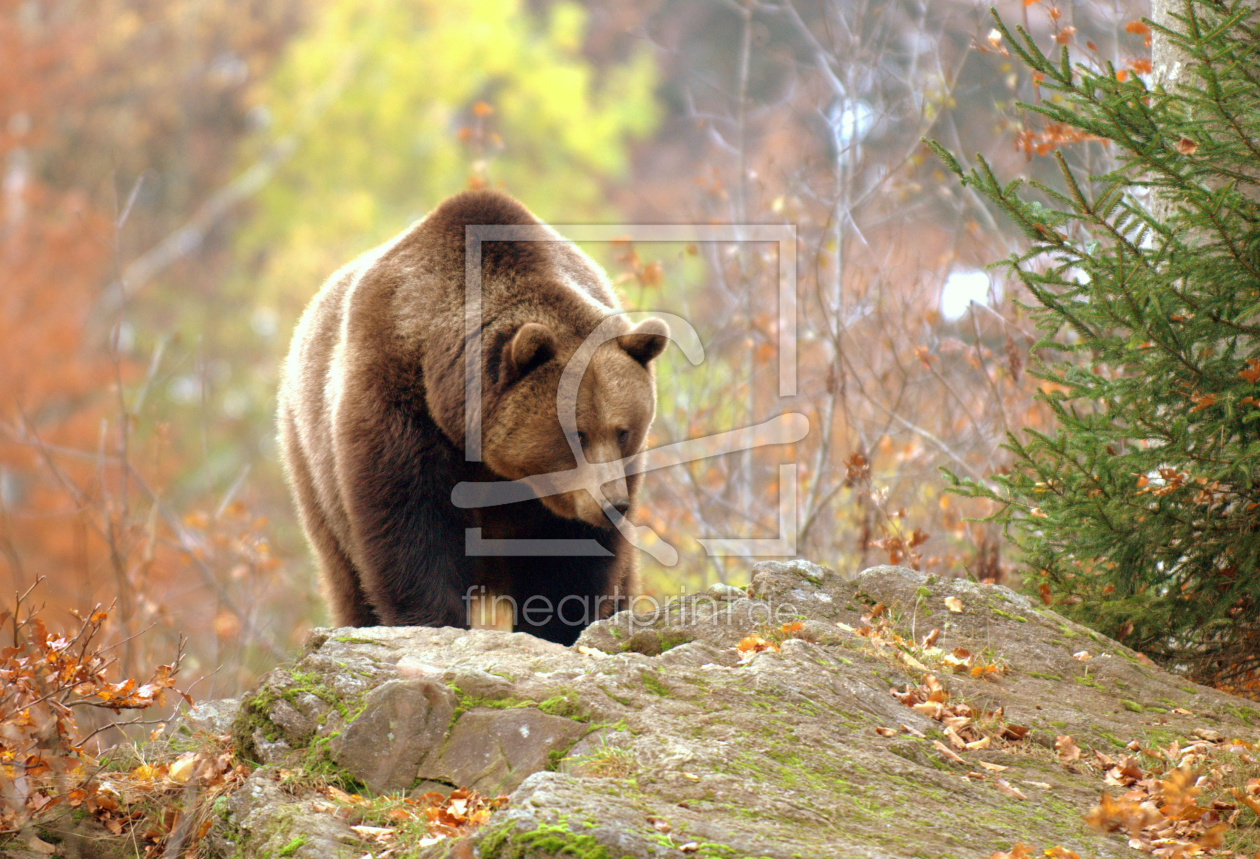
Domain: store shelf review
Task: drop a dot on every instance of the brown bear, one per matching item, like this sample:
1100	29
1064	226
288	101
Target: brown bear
373	432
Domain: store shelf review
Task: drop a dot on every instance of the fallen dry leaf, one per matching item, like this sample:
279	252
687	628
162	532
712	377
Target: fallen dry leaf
947	752
910	662
751	645
376	833
1004	787
1014	733
954	604
39	846
1067	748
181	771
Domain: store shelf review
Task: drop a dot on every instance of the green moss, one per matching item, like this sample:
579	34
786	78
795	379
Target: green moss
1042	676
1086	680
566	706
1132	706
653	684
507	842
292	847
255	710
354	639
554	757
221	809
253	718
1113	739
464	703
318	766
1245	714
625	702
1008	615
1160	738
696	680
1066	631
672	638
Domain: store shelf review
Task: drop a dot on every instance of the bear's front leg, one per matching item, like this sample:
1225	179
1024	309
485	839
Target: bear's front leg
555	598
408	536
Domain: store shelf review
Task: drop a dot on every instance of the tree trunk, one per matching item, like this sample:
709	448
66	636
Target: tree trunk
1169	64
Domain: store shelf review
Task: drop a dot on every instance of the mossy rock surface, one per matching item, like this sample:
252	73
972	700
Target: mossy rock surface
599	746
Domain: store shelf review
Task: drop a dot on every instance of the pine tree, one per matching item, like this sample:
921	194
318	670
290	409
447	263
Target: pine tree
1140	513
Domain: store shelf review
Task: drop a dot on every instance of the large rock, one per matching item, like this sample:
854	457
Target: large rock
494	750
651	733
401	722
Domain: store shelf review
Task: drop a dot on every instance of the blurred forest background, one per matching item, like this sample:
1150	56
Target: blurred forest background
179	176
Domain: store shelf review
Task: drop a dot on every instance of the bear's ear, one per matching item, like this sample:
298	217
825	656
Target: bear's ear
533	344
646	340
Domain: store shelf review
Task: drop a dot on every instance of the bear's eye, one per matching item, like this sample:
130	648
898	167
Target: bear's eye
581	438
623	437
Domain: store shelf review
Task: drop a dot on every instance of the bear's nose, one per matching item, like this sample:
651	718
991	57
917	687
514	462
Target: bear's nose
622	507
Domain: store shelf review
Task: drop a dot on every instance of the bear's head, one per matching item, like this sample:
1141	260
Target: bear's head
571	435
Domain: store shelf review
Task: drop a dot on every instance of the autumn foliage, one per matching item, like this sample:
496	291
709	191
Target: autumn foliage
49	680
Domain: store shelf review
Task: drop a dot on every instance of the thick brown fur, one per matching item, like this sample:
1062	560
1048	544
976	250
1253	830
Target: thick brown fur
372	426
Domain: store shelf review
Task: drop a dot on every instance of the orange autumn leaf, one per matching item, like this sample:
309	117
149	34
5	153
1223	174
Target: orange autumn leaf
1202	401
1018	851
1067	748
